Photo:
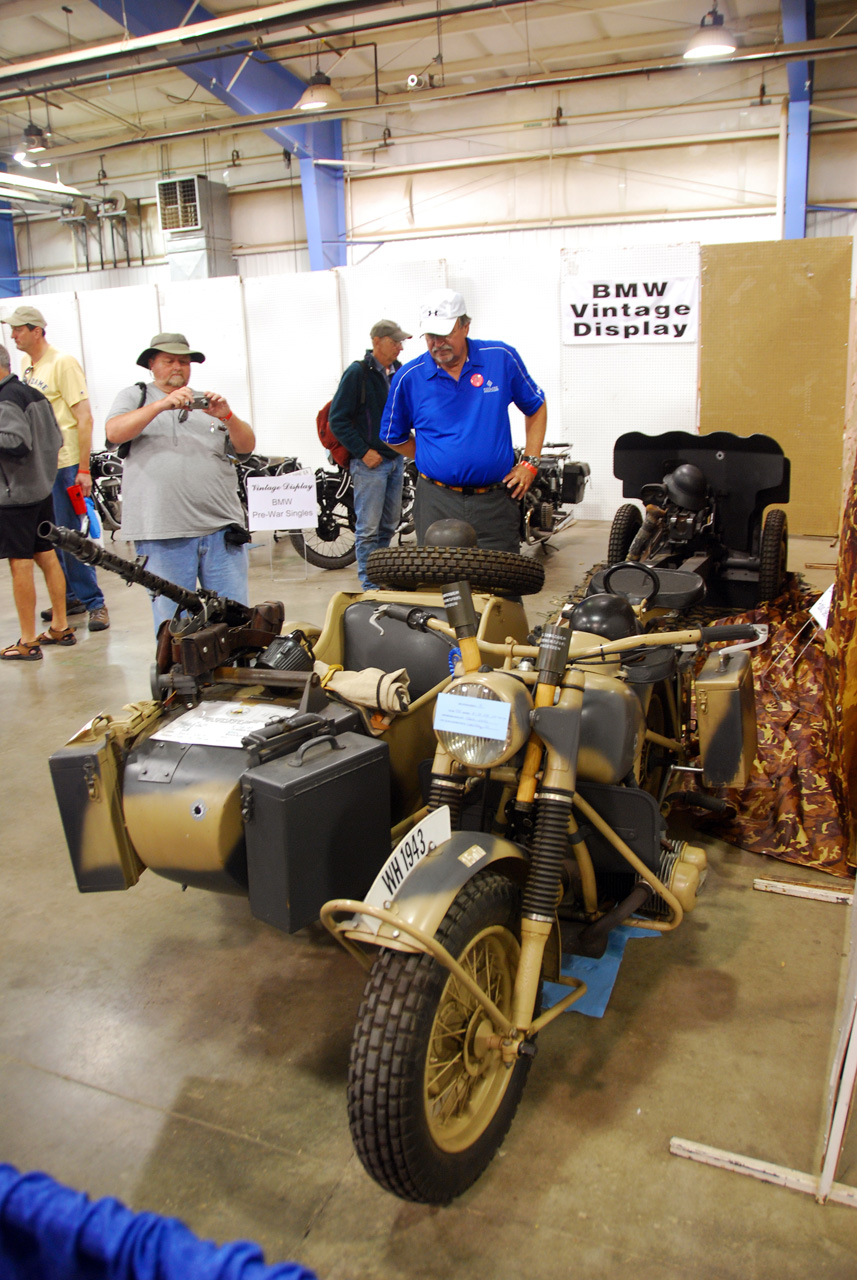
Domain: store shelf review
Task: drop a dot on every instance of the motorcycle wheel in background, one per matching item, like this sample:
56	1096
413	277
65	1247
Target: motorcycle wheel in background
428	1103
330	545
626	524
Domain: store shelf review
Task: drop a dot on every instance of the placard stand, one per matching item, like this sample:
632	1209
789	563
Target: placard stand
282	503
840	1097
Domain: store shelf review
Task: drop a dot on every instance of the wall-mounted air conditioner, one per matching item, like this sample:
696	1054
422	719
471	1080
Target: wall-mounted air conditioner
194	217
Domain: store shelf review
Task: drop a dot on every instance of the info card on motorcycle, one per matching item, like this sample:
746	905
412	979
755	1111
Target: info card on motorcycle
221	724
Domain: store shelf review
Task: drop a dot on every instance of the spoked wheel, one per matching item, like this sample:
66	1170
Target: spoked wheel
407	568
626	522
429	1102
331	544
773	554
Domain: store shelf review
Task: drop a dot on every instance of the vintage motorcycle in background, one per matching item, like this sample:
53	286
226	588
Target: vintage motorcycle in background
106	471
560	483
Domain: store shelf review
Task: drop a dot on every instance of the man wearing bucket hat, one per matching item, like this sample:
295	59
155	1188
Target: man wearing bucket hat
448	409
180	502
60	378
355	419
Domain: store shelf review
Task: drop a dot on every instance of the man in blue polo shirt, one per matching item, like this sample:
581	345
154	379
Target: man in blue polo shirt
449	409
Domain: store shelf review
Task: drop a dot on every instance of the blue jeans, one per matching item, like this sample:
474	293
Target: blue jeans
80	578
377	507
215	564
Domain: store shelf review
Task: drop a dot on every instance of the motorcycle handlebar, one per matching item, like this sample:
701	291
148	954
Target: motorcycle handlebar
735	631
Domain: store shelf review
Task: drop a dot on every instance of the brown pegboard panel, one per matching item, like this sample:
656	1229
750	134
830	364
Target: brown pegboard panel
774	359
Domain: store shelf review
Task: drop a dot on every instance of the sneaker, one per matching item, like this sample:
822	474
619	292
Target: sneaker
72	606
99	619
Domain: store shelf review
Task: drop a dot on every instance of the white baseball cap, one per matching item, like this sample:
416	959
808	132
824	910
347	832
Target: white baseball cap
439	311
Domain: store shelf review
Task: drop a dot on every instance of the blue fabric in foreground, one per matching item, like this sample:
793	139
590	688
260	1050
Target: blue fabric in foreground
49	1232
599	975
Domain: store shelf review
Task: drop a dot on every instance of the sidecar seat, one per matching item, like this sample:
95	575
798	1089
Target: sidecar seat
424	654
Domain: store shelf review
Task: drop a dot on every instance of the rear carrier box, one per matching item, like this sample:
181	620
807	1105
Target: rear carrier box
574	477
317	825
726	718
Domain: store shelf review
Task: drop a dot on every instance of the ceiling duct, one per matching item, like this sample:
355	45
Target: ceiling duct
193	214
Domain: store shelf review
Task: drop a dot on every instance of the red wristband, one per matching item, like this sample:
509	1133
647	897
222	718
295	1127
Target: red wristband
82	471
529	467
228	416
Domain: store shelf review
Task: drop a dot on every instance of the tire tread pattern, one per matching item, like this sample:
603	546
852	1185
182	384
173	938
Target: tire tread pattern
498	572
626	522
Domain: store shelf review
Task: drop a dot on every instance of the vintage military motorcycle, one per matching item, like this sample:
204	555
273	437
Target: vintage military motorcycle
559	484
545	829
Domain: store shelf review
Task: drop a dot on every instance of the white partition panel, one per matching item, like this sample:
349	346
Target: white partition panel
116	326
61	320
515	299
210	313
293	328
610	389
375	292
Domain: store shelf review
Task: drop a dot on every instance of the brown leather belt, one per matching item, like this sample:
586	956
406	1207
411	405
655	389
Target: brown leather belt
467	489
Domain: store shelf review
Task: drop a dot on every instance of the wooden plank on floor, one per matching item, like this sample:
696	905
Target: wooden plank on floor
803	889
762	1170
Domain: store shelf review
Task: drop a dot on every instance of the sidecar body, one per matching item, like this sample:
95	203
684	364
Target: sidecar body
261	784
718	531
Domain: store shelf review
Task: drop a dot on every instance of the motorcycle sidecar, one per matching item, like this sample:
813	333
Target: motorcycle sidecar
705	497
253	780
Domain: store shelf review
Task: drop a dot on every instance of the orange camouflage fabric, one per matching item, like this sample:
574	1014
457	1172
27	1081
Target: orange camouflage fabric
794	806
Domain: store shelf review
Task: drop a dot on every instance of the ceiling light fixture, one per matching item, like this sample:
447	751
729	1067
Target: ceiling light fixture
34	138
319	94
712	40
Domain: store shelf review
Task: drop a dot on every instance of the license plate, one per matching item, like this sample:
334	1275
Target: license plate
433	830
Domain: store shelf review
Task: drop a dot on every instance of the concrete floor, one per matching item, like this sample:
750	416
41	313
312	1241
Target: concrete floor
168	1049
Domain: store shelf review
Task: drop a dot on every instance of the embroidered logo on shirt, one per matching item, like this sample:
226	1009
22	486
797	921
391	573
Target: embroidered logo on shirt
476	380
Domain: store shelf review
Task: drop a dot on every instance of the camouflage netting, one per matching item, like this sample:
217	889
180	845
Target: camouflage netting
793	808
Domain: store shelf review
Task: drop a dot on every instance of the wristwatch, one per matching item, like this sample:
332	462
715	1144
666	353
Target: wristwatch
533	461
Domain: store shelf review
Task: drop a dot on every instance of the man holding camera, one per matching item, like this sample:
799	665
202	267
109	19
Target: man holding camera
180	502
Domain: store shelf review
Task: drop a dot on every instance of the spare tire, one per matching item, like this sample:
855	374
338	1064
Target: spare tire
497	572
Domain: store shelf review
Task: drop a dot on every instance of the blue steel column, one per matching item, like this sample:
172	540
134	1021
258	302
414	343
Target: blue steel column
260	86
10	281
798	26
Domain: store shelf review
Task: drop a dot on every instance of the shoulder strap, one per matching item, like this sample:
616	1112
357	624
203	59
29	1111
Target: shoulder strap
122	450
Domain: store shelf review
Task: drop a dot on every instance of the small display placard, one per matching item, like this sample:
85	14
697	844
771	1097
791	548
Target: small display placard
282	502
481	717
220	724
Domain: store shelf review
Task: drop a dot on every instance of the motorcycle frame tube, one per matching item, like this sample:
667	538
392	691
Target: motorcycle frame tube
512	1034
662	926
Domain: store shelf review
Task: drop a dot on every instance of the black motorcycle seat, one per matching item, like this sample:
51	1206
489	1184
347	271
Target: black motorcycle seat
679	588
424	654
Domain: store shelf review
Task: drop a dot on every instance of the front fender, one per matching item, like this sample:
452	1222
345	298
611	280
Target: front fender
428	892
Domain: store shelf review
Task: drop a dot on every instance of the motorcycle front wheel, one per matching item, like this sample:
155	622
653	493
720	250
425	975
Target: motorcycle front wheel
428	1103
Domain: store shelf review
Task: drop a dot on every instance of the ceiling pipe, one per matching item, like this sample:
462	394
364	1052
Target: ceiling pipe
783	53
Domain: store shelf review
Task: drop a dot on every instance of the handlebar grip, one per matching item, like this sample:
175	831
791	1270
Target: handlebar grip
737	631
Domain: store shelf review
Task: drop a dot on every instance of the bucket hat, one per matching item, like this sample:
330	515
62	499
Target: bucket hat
174	344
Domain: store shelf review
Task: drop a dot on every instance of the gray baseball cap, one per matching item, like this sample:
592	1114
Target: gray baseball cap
389	329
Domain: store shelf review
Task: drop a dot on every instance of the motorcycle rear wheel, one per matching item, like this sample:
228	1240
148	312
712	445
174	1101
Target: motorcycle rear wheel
428	1106
773	554
407	568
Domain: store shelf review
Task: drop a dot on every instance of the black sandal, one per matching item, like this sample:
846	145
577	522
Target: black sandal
20	652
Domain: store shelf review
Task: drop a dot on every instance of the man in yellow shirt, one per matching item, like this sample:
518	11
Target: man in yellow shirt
59	377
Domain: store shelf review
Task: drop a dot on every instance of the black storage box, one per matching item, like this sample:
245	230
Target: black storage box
574	477
317	825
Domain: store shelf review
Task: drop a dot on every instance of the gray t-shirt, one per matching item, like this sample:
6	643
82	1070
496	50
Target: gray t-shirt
178	481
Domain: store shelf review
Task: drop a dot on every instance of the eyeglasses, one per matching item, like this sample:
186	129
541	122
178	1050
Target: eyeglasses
28	373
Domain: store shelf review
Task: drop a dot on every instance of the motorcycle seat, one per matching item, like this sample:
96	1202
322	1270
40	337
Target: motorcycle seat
678	589
424	654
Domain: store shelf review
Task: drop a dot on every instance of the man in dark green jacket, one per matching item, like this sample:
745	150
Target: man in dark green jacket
355	420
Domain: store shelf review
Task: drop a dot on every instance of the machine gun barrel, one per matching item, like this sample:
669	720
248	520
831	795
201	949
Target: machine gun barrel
191	601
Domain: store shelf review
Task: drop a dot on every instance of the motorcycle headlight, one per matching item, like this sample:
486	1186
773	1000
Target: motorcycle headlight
483	719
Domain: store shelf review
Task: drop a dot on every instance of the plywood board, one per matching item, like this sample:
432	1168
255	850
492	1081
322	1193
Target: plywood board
774	359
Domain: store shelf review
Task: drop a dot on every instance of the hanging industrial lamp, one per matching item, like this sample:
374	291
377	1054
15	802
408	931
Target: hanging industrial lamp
712	40
319	93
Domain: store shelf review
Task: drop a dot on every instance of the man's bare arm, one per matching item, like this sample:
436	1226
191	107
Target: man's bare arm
83	417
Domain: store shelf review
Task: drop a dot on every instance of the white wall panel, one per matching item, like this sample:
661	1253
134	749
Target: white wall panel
516	300
611	389
210	313
379	292
116	325
62	321
293	343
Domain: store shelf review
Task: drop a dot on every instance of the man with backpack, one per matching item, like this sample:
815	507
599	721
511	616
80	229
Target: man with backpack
355	420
